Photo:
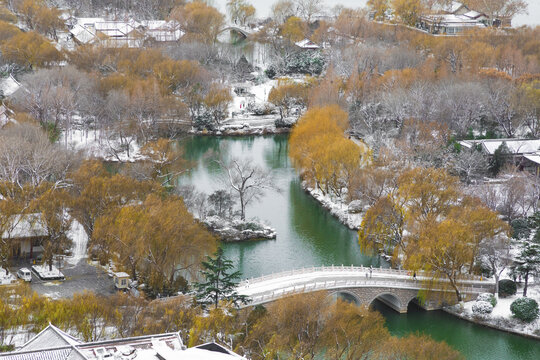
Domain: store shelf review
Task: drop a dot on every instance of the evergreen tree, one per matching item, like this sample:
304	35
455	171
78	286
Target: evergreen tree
528	262
219	282
498	160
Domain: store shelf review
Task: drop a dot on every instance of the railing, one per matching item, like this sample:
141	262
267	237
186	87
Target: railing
375	277
351	268
343	284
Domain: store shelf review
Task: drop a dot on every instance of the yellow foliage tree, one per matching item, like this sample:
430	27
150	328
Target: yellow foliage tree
321	152
408	10
288	94
30	49
379	7
293	30
200	22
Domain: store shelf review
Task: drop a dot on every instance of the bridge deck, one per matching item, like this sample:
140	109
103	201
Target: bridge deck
272	287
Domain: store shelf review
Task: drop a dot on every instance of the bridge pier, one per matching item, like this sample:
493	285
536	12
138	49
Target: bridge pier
400	308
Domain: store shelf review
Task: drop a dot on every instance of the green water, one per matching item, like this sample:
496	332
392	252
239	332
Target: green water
309	236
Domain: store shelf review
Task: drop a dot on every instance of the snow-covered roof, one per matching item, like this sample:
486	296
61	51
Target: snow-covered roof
21	226
121	274
54	344
515	146
5	117
451	8
8	85
83	34
50	337
535	158
474	14
307	44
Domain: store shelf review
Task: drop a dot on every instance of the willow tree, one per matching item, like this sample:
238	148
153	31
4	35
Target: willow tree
162	259
321	152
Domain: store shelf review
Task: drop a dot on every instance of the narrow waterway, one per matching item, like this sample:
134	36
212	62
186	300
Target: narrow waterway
309	236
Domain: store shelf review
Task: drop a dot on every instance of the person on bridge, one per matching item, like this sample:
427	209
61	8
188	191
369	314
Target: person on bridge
414	276
370	271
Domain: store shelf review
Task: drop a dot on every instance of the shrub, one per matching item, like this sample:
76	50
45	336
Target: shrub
507	287
482	308
487	297
270	72
525	309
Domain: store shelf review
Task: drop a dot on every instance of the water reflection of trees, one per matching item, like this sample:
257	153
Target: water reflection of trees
332	241
277	156
195	147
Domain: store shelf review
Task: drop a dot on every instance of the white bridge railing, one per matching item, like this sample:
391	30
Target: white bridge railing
356	276
351	268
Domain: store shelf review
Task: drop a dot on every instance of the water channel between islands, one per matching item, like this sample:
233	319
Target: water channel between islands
307	235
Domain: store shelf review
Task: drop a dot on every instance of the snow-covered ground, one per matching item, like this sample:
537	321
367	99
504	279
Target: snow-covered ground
501	317
45	274
337	207
94	145
80	242
6	279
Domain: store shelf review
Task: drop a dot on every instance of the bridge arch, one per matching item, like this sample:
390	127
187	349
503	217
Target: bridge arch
346	295
390	300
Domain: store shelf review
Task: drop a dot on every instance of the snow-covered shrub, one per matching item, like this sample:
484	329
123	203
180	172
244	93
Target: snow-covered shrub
487	297
260	108
525	309
311	63
482	308
507	287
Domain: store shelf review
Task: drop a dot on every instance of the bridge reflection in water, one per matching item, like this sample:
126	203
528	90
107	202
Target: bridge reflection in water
395	288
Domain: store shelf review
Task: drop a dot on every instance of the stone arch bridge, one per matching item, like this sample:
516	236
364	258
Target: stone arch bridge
395	288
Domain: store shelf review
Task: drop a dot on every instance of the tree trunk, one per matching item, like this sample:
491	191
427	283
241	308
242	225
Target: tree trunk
458	294
242	208
526	284
496	285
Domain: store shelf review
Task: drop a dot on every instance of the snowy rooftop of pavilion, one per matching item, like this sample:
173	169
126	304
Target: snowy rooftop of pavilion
516	146
307	44
450	8
54	344
23	226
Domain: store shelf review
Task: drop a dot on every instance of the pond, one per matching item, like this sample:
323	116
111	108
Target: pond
309	236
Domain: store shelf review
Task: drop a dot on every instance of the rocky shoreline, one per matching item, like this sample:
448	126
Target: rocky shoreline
238	230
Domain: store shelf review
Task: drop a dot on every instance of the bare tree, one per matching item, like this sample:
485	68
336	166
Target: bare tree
247	181
495	253
28	157
468	164
308	8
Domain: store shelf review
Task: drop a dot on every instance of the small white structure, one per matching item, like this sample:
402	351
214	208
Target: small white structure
121	280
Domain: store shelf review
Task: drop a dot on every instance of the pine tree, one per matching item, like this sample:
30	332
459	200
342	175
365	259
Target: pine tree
219	283
528	261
